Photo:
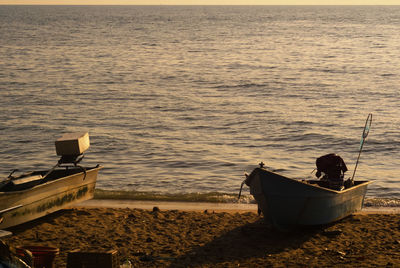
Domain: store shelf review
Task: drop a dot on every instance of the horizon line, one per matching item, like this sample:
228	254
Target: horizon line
196	5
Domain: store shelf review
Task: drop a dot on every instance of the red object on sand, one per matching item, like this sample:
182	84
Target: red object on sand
42	256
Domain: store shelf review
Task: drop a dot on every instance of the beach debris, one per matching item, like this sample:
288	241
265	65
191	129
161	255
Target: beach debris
127	264
331	233
156	209
341	253
157	214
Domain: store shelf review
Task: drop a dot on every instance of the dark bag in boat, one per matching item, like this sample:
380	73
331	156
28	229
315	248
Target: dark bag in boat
332	166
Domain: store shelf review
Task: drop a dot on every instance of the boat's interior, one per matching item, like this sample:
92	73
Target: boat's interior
347	184
31	179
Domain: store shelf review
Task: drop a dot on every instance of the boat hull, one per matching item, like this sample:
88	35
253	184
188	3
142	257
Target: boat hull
286	202
48	197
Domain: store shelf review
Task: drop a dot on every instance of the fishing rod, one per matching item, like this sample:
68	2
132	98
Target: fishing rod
367	127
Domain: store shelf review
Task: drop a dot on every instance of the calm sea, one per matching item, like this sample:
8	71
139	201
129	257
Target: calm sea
185	99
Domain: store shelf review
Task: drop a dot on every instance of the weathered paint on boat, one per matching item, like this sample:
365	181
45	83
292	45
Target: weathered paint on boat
42	199
286	202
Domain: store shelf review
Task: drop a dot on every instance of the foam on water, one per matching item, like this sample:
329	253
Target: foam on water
213	197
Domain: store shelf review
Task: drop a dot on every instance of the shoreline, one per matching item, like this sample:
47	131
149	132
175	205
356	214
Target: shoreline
201	206
168	205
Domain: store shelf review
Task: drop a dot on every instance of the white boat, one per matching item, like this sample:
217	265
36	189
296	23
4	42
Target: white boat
36	194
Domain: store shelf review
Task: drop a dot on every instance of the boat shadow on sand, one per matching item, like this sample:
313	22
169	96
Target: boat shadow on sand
256	242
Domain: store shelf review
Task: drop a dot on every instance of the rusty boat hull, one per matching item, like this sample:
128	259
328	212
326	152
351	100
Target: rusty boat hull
62	188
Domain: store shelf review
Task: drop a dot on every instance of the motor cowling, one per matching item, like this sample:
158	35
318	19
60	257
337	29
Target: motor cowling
332	166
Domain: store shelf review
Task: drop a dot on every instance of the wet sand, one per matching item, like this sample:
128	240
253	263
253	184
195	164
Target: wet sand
222	238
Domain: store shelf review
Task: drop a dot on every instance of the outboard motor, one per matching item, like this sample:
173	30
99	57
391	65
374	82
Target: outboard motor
333	168
70	147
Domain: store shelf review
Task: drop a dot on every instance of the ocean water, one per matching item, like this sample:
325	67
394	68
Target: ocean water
185	99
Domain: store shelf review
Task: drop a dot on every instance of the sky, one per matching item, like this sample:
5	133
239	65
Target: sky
199	2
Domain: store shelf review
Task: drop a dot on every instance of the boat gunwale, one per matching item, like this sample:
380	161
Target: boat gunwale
97	168
305	182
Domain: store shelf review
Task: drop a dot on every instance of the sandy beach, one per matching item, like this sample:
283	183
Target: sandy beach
210	238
